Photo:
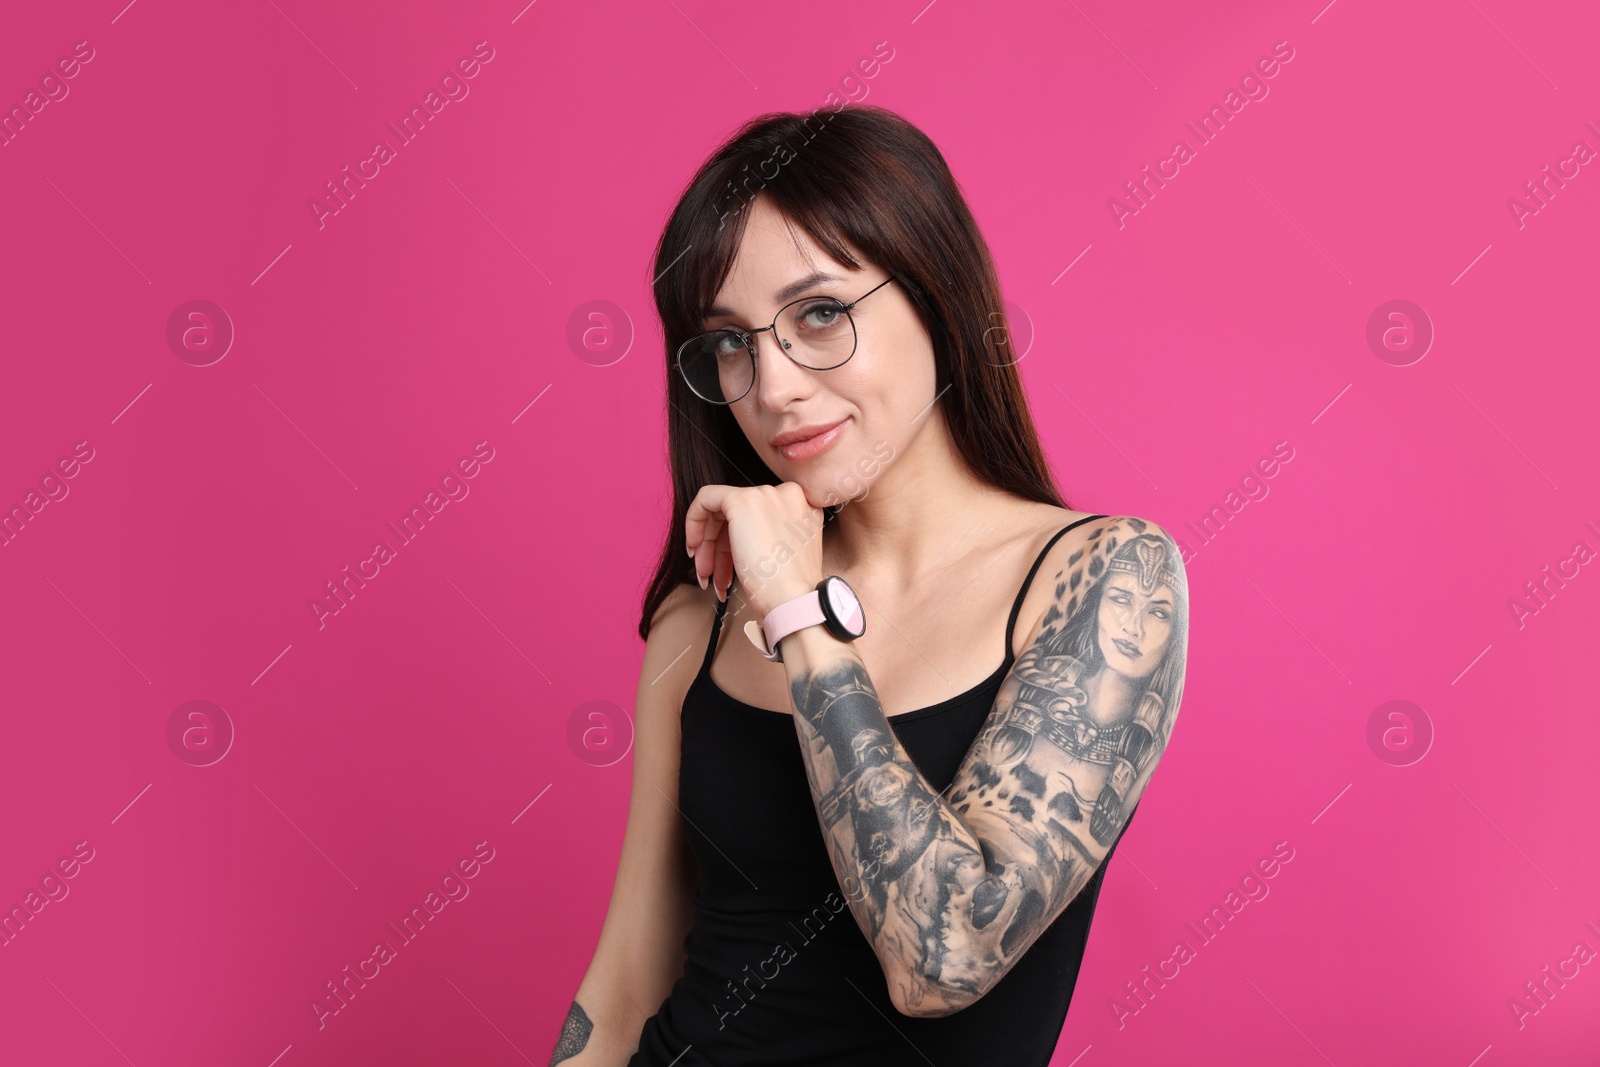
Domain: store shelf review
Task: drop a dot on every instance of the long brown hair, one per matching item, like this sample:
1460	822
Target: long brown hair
863	175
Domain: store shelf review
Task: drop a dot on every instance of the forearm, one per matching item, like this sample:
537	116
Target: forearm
601	1029
637	958
943	915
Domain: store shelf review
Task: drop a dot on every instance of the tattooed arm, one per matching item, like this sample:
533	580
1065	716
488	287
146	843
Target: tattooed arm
952	889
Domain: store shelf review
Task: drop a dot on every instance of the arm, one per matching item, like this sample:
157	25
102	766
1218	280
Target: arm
952	889
640	951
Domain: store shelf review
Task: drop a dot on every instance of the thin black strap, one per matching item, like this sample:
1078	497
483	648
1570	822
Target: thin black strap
1016	608
716	628
1011	623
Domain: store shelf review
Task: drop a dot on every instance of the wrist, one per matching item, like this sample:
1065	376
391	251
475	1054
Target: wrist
832	605
777	593
808	648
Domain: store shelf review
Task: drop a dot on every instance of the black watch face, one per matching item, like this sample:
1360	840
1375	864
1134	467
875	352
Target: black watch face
843	609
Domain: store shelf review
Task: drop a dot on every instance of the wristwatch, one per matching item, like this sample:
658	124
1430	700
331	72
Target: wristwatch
832	603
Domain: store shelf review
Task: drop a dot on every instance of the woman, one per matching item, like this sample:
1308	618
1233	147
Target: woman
859	492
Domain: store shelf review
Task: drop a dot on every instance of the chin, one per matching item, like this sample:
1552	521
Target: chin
819	487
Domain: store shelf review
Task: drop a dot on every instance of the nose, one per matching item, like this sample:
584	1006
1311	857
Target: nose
1133	623
779	379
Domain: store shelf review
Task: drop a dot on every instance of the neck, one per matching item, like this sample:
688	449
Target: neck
924	509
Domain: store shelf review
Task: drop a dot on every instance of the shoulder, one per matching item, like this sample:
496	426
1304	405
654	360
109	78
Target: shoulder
682	607
1084	557
676	646
1089	533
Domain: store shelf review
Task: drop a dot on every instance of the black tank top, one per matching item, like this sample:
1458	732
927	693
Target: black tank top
778	972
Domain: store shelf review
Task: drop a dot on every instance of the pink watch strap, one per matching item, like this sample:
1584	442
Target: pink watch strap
783	620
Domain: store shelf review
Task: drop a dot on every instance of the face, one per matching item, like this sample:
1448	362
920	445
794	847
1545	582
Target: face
879	398
894	822
1134	627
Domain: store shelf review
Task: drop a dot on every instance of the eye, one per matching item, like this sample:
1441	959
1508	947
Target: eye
820	316
729	346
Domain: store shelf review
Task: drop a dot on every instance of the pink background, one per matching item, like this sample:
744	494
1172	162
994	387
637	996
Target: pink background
374	753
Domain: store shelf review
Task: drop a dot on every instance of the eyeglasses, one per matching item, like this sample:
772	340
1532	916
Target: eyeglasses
816	332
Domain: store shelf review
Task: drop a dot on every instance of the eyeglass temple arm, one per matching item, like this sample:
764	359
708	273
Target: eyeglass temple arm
851	306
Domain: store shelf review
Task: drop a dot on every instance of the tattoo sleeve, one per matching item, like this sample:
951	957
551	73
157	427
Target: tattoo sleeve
951	889
574	1035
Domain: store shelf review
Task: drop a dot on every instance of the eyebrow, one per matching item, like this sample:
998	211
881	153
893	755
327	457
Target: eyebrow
784	295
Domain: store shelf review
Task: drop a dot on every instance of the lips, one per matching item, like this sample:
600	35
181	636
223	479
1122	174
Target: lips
1127	648
802	433
808	442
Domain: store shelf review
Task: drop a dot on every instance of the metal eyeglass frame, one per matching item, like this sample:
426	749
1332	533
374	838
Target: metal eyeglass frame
749	338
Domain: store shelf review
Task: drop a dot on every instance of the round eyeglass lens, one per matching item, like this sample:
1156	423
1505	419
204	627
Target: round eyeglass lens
717	365
815	332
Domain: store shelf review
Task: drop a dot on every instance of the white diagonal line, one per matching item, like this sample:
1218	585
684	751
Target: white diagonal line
1074	263
101	632
313	44
131	803
501	632
1332	402
1469	266
101	232
269	666
90	1021
531	803
302	833
274	263
490	1021
132	402
1468	667
1331	803
532	402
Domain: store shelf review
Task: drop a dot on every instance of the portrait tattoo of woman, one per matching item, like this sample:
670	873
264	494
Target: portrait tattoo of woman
955	887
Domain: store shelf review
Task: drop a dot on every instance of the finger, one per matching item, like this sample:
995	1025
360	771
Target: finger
722	567
705	508
704	553
707	530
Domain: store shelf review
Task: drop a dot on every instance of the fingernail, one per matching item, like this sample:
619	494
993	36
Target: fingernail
702	579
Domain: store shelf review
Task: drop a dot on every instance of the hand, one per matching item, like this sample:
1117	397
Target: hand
769	535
